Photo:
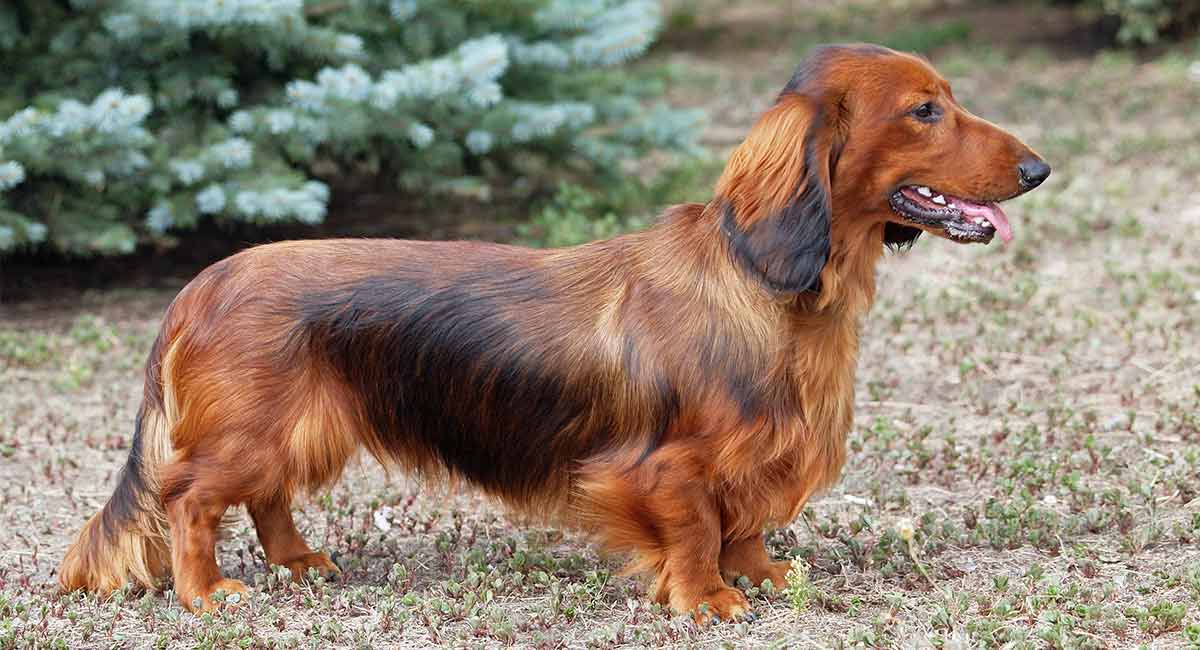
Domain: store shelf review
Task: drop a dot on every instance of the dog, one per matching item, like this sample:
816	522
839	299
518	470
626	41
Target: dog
672	391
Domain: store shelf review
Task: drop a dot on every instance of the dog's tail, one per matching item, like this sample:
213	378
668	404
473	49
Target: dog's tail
127	540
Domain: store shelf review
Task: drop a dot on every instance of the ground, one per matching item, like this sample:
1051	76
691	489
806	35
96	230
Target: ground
1023	469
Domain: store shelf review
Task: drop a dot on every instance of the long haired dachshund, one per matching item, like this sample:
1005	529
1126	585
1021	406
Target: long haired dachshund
673	391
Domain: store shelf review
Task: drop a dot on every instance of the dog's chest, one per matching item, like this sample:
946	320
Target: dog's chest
824	371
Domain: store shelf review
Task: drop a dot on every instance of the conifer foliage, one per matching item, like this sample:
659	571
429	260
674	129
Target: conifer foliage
128	121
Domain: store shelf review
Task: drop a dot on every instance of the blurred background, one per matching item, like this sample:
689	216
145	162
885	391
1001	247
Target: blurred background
143	139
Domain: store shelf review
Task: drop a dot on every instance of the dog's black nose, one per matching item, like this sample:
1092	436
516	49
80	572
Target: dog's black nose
1032	172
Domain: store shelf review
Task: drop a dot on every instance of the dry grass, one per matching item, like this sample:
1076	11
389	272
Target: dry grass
1030	413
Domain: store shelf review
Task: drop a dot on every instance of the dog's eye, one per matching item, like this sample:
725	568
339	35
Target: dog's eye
927	112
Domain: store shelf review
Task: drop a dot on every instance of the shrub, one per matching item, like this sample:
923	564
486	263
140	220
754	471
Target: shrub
1140	22
578	214
126	121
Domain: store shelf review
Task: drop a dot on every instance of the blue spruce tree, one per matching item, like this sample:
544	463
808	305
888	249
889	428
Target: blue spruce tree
128	121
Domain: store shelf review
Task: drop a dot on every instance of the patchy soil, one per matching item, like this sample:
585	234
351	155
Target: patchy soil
1030	413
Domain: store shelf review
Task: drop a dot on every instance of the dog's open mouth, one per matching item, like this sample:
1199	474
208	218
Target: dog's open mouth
960	219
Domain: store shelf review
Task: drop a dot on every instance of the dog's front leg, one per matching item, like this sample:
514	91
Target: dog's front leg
748	557
689	578
664	511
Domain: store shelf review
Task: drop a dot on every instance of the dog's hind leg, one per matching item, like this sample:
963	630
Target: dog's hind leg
195	502
283	544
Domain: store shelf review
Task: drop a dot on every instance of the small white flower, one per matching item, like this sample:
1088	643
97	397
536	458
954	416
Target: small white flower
383	518
904	528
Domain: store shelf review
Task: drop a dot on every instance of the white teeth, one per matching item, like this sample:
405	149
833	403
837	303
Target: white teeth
939	199
924	191
951	205
980	220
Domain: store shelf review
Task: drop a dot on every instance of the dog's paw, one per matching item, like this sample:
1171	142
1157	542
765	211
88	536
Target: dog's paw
233	593
776	572
321	562
725	604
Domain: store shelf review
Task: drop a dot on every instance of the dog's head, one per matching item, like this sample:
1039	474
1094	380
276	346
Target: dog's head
873	140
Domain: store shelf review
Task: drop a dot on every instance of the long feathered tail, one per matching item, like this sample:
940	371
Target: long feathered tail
127	540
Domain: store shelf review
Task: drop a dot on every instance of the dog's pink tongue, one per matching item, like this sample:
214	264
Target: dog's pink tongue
991	212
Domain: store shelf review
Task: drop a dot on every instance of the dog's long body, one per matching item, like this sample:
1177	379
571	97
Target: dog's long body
673	390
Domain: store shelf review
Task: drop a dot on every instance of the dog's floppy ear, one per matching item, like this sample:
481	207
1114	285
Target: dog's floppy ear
776	197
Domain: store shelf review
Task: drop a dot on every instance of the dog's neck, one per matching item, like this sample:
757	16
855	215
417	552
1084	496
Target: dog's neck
847	286
848	279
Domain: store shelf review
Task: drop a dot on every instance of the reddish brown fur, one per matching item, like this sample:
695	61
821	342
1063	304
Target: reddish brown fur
670	390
